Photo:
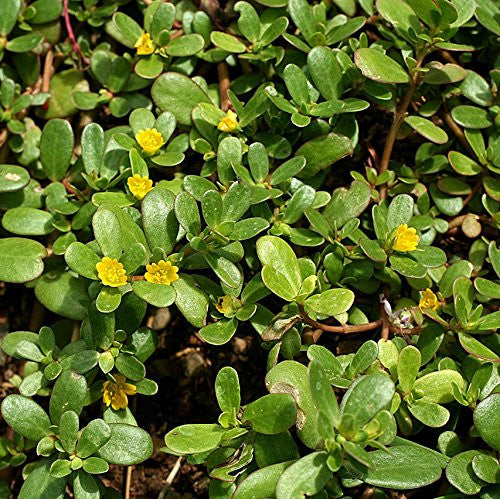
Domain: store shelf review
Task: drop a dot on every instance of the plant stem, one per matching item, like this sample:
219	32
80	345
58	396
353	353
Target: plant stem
71	34
48	68
457	131
339	329
224	84
399	117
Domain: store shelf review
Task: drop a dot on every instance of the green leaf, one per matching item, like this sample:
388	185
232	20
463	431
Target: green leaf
186	211
486	420
307	476
262	482
280	271
347	204
460	473
429	413
56	148
476	348
24	43
227	390
296	84
92	438
323	396
329	303
406	266
22	259
322	151
95	465
366	397
158	295
291	377
85	486
25	417
409	362
191	301
46	11
128	445
186	45
227	42
68	394
281	405
287	170
82	260
438	386
63	294
400	211
379	67
363	358
248	22
130	366
13	178
10	11
471	117
403	467
26	221
62	86
40	484
158	219
401	16
178	94
427	129
194	438
462	164
128	29
220	332
68	429
486	468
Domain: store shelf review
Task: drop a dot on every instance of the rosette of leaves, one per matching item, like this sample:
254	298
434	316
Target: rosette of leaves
70	456
159	18
336	436
13	451
143	120
15	105
100	345
259	33
420	394
326	74
238	431
120	88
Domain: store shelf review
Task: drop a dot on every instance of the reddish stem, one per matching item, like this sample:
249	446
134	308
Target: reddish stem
71	34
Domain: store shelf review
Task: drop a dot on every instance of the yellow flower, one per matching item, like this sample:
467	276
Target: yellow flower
405	239
223	304
428	300
162	272
228	123
150	140
139	186
115	393
111	272
144	44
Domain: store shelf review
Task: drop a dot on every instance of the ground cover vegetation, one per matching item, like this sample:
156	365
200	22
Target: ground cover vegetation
298	197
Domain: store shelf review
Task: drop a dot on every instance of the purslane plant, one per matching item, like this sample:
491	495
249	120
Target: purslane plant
297	170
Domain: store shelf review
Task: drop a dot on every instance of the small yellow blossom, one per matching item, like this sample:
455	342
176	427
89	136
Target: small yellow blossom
428	300
162	272
223	304
115	393
139	186
228	123
111	272
150	140
405	239
144	44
